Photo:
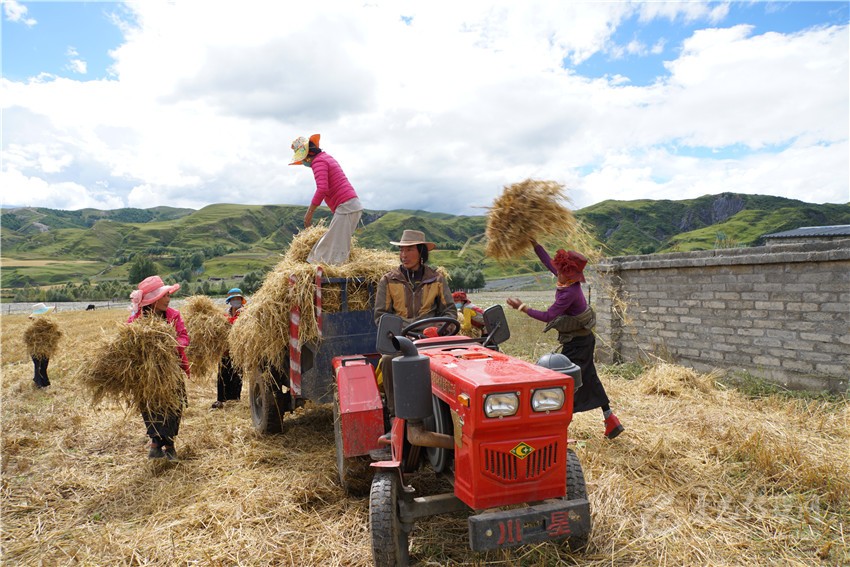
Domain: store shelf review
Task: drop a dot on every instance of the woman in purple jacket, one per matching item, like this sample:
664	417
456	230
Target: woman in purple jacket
332	187
574	320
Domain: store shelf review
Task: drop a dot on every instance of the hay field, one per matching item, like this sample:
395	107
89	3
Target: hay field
702	476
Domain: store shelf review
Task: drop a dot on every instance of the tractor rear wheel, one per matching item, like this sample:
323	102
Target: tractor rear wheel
269	403
389	540
576	489
355	474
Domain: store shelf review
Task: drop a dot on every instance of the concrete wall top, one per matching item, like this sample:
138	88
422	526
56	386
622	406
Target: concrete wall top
814	251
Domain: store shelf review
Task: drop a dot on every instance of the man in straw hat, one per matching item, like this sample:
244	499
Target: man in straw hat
229	384
151	299
40	361
332	187
574	320
413	291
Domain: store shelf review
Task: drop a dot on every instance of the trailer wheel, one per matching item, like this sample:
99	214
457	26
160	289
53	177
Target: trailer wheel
389	540
355	474
268	403
576	489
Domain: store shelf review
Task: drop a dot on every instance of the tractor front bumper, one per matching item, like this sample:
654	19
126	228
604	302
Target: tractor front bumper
551	520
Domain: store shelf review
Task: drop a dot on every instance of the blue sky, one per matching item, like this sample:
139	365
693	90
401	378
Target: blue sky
427	105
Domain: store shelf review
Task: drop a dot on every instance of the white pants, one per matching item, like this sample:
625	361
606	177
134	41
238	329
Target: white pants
335	246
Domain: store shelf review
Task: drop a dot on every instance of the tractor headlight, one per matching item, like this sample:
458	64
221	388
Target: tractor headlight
547	399
501	405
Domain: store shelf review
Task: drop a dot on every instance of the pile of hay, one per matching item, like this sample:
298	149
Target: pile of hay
42	337
524	212
667	379
261	334
208	329
139	366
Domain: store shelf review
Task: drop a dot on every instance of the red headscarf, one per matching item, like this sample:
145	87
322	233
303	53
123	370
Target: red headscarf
571	264
459	296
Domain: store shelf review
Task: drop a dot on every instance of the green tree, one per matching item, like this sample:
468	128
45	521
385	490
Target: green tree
141	268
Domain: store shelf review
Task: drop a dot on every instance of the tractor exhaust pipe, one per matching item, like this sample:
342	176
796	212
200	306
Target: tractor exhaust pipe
419	436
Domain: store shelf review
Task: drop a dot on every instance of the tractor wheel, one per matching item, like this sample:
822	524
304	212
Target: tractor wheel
268	403
440	422
389	540
576	489
355	474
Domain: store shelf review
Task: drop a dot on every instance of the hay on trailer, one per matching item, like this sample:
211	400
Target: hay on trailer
42	337
138	366
261	334
526	211
208	329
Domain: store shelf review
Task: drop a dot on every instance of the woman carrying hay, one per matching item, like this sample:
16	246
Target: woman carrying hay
151	299
413	291
574	320
332	187
229	378
472	316
41	338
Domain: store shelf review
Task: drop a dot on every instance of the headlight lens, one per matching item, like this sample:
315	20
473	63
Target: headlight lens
501	405
547	399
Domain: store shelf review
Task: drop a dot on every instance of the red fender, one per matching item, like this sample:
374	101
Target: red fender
361	414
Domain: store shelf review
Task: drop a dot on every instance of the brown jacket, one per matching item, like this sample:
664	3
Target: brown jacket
430	297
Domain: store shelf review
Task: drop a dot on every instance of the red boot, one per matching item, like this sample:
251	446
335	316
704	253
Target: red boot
613	426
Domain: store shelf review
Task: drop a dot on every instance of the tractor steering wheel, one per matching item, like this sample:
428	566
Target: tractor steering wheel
446	326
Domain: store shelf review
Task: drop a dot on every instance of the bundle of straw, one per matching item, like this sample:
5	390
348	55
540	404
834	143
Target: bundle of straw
524	212
208	329
42	337
672	380
139	366
261	334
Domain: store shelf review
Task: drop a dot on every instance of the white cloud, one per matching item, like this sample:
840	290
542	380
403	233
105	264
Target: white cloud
438	110
16	12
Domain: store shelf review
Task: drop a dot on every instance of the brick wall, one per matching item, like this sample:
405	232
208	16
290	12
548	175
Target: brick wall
781	312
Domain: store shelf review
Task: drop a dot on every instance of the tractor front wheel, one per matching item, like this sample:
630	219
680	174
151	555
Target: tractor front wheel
269	402
389	539
576	489
355	474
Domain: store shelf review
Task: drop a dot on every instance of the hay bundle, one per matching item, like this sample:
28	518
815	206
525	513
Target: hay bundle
42	337
524	212
261	334
208	329
671	380
138	366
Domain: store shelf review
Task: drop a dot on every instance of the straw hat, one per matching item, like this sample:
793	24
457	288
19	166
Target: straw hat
151	290
41	309
413	237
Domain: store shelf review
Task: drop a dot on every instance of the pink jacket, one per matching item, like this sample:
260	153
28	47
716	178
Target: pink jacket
332	186
173	317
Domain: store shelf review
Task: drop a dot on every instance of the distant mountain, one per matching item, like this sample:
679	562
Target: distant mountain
46	246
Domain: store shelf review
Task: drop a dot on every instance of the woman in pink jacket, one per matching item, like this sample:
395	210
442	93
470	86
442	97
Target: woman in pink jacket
332	187
152	299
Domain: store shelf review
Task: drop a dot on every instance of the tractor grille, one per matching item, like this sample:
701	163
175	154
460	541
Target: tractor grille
508	467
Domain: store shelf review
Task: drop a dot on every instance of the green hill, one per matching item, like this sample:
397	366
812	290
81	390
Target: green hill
43	246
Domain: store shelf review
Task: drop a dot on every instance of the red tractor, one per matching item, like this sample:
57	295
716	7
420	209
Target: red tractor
495	426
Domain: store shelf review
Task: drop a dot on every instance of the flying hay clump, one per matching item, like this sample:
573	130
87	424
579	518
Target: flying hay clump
208	330
42	338
524	212
138	366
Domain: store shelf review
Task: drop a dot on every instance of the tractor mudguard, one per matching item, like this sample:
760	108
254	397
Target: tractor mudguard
361	413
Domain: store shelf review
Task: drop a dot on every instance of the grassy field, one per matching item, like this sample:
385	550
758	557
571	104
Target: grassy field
703	475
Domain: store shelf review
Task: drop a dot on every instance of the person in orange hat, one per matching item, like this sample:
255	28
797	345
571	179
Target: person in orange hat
151	299
332	187
574	320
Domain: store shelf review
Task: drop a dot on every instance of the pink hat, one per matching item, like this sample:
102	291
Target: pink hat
151	290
